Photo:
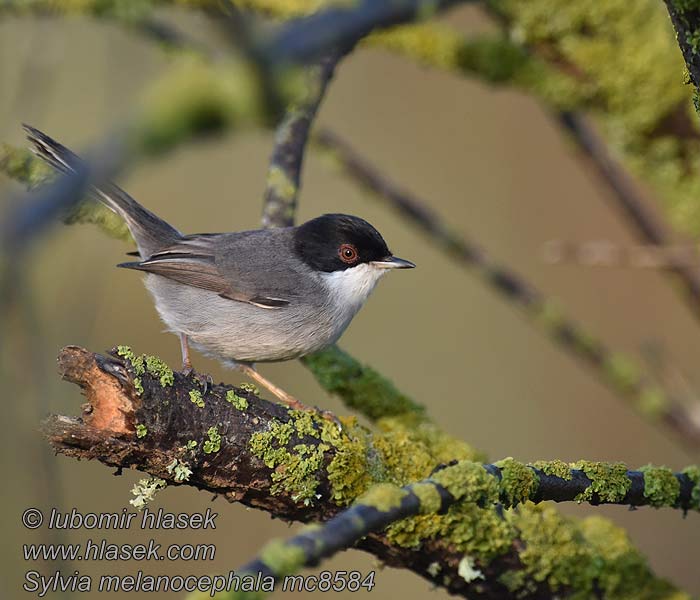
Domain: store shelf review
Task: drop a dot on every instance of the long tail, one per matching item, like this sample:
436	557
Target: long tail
150	232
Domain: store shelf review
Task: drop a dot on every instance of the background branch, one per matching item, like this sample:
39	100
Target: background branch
284	172
618	371
626	195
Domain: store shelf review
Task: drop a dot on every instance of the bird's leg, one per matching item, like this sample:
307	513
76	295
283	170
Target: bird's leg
185	349
204	380
283	396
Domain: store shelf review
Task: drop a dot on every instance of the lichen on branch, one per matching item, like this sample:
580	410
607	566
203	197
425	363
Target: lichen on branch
300	466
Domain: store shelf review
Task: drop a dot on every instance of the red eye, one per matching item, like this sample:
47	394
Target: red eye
348	253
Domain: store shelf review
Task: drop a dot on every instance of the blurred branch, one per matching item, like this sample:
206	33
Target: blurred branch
608	59
21	165
616	370
627	197
604	253
191	99
298	466
342	26
284	173
29	219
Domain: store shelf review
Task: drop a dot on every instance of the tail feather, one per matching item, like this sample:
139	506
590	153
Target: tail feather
148	230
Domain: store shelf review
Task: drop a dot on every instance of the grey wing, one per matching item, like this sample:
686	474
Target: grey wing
193	261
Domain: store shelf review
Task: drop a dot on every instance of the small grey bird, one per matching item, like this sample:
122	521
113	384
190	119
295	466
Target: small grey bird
252	296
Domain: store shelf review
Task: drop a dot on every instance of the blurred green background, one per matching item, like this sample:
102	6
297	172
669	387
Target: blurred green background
490	161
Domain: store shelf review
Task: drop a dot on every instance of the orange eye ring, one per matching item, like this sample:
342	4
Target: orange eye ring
348	253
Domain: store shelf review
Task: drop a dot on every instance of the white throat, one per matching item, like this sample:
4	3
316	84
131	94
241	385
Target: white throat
350	288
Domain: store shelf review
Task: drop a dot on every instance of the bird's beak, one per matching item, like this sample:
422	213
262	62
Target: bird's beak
393	262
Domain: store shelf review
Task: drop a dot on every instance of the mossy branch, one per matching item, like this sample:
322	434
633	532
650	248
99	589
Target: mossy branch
361	387
139	414
384	504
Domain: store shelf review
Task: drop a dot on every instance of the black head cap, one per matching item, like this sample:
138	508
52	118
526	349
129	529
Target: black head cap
337	242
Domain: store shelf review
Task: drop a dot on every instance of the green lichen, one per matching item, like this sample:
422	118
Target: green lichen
518	481
282	558
383	496
295	465
250	388
430	499
618	569
278	180
559	551
213	443
95	213
354	466
471	525
555	468
191	445
661	487
609	481
137	365
478	532
156	367
196	398
409	448
146	364
693	473
622	371
586	559
22	165
238	402
179	470
138	385
359	386
296	460
652	402
136	362
145	491
141	430
196	96
493	58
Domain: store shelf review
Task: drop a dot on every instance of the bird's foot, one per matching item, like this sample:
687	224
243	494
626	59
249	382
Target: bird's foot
203	379
328	416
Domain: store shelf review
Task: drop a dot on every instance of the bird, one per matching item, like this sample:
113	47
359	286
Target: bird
247	297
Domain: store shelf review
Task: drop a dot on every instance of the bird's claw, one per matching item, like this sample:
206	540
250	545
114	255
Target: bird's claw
203	379
329	416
